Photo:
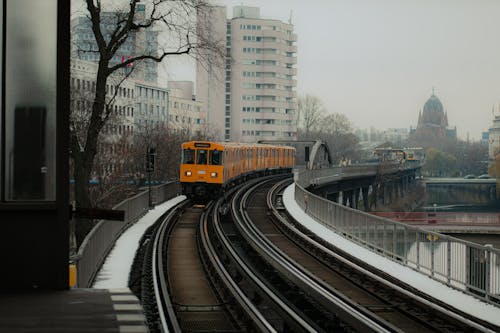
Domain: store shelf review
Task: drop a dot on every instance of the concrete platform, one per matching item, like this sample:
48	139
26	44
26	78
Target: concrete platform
72	311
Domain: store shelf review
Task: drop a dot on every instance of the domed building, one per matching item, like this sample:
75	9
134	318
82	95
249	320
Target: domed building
433	122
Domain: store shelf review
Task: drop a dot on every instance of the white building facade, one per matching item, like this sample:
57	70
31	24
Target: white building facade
260	101
187	116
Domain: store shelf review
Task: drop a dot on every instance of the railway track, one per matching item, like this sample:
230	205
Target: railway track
404	307
241	264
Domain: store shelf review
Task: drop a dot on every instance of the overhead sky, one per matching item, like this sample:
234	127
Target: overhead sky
377	61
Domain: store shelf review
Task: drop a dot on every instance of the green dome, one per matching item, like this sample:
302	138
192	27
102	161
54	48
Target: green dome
433	104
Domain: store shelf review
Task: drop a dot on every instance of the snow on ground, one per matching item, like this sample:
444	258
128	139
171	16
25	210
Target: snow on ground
456	298
116	269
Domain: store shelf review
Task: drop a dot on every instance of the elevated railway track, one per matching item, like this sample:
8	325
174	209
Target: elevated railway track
243	264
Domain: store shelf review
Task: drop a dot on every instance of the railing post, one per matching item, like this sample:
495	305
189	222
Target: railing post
487	285
448	262
432	255
417	236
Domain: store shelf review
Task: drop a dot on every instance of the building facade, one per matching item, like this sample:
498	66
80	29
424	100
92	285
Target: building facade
151	106
260	101
187	116
84	46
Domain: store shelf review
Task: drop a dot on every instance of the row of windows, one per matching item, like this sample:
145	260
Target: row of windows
117	110
143	109
184	106
250	27
268	133
268	98
284	122
249	85
266	63
266	51
185	120
267	74
267	110
266	39
118	129
265	27
153	93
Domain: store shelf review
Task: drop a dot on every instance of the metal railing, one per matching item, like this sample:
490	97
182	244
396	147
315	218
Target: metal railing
100	240
326	175
466	266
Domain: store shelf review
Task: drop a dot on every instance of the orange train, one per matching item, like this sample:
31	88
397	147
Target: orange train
209	168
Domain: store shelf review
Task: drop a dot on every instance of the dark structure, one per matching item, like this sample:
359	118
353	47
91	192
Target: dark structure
34	205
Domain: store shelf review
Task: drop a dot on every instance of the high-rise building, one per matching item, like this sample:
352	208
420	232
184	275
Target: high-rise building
84	46
260	99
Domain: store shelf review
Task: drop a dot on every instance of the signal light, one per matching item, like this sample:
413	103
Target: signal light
188	173
213	174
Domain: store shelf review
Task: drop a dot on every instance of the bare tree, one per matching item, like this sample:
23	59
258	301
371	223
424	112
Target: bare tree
176	17
310	112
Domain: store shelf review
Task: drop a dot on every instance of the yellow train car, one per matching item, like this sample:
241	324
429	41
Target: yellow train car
208	168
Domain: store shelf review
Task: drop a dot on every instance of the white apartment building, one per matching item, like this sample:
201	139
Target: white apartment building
260	90
120	124
186	115
151	107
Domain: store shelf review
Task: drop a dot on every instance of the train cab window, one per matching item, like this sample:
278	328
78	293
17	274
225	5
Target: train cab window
216	157
201	156
188	156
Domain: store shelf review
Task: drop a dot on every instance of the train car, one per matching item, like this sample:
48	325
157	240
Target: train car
209	168
416	154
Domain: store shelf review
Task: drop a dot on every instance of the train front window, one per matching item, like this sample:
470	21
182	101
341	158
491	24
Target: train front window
201	156
216	157
188	156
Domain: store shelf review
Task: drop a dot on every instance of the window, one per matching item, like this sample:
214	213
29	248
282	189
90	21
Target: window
216	157
201	156
188	156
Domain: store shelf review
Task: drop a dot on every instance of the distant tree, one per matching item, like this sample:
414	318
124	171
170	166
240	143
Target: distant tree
337	131
310	113
439	164
177	17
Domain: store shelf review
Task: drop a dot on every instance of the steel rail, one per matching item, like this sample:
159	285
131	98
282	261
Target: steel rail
460	317
294	319
353	314
166	313
246	304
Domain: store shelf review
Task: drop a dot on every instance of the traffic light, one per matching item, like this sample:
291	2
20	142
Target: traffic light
150	159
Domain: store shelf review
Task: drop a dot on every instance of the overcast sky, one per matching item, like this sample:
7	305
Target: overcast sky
377	61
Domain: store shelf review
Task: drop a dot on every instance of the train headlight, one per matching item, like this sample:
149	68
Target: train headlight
213	174
188	173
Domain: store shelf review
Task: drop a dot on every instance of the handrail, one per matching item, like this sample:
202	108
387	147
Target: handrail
470	267
100	240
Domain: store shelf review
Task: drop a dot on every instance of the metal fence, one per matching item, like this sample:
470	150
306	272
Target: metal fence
101	239
466	266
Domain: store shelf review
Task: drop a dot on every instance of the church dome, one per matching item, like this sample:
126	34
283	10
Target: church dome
433	113
433	104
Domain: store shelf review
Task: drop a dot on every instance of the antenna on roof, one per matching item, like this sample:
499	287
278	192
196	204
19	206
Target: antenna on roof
290	19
